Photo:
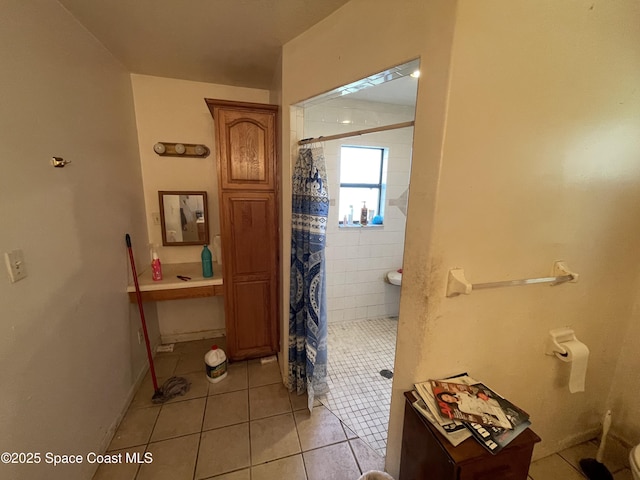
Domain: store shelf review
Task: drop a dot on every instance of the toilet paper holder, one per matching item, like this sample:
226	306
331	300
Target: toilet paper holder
556	338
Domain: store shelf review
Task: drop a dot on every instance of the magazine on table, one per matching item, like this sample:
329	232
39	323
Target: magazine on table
492	437
430	402
455	437
454	431
469	403
495	439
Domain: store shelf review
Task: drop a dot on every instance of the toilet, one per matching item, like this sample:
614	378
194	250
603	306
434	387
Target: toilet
634	462
395	277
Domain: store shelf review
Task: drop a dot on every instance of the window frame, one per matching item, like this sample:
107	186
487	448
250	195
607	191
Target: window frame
380	185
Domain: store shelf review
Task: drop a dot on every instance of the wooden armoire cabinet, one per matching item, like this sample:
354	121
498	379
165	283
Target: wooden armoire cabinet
247	166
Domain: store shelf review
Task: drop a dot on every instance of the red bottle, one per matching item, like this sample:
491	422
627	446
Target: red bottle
156	268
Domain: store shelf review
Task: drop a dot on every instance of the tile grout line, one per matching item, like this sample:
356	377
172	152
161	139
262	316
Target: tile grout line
204	413
355	457
295	423
170	438
249	424
146	448
576	469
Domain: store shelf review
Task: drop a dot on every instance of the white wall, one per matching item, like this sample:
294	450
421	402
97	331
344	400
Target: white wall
68	344
170	110
359	258
624	399
525	152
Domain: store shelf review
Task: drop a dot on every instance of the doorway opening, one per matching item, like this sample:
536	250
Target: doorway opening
366	133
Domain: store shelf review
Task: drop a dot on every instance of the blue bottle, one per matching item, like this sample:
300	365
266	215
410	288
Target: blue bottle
207	263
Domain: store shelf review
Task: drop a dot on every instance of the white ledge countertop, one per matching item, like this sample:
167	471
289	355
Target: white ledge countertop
170	280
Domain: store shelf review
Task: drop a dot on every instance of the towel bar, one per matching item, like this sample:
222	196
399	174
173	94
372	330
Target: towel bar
458	284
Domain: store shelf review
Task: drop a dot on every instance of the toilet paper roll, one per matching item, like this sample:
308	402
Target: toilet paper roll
578	355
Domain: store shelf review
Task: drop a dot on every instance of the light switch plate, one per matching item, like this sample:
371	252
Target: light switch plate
15	265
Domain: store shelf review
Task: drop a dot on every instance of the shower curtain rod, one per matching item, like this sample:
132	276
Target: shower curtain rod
304	141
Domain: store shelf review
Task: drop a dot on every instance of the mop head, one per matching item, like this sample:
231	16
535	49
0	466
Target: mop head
171	388
594	470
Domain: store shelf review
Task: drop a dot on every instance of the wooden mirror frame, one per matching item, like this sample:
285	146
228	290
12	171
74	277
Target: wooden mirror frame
202	233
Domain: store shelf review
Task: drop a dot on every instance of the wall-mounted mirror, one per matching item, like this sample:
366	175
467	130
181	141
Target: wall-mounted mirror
184	218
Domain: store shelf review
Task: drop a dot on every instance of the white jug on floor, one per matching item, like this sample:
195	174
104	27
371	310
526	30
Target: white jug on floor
216	363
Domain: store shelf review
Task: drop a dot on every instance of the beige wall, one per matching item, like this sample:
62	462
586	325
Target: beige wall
173	110
68	344
539	164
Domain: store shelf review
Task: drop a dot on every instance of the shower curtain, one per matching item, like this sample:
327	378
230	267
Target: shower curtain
307	301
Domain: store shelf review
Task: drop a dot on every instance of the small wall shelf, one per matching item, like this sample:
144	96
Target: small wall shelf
457	283
172	288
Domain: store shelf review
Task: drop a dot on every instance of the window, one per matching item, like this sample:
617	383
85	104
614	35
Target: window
361	182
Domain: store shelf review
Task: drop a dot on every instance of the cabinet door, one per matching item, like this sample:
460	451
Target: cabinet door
246	149
250	261
422	456
512	464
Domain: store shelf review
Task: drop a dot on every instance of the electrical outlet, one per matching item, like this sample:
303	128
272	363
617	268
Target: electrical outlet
15	265
140	336
155	216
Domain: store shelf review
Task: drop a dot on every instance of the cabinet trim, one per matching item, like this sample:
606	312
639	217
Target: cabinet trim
252	317
262	107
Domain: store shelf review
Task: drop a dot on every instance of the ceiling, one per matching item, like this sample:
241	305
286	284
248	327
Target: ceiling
229	42
396	85
401	91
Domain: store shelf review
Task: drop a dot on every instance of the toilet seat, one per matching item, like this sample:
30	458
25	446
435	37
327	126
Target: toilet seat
395	278
634	462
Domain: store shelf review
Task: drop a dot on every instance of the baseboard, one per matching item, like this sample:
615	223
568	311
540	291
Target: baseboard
622	441
190	336
111	431
617	448
578	438
544	450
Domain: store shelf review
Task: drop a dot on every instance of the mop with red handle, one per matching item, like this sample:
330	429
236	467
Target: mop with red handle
175	385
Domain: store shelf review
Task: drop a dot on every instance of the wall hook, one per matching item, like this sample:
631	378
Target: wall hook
59	162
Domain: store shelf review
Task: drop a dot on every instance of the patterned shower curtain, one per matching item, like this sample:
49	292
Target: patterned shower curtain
307	301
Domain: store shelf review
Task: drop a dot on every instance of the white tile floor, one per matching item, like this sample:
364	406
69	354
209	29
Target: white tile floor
358	394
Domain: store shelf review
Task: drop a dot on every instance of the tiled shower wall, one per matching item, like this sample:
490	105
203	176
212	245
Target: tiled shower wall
359	257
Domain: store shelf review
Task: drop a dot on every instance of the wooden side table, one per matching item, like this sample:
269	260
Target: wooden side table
427	455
